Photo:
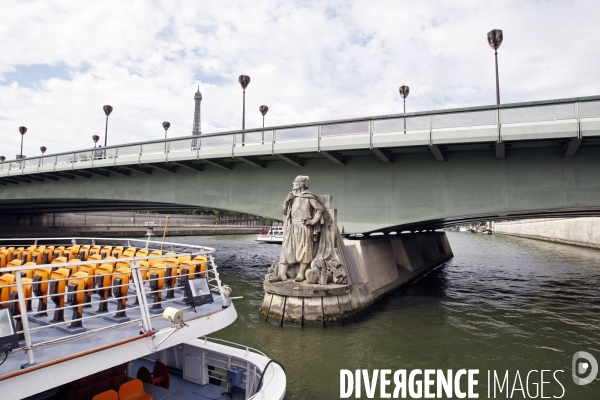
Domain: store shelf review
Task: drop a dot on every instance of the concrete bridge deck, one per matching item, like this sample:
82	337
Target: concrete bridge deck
445	167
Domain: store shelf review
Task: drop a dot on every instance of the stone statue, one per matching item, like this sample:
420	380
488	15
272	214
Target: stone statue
308	239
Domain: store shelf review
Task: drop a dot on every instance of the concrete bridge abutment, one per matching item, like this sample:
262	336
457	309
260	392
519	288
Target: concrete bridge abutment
377	267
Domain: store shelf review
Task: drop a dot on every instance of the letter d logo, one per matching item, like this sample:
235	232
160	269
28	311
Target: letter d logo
580	367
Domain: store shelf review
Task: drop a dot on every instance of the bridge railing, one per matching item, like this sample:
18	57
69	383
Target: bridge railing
564	118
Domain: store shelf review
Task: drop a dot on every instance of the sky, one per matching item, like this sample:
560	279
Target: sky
61	61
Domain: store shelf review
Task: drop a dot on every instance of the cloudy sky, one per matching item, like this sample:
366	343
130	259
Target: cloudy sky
62	61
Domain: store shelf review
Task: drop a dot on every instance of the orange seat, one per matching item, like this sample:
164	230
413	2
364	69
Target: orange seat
108	395
133	390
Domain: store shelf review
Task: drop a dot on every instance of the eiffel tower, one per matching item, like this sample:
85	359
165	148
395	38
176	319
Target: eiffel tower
197	99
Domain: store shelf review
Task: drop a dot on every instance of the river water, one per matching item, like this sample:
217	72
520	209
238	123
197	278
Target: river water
501	304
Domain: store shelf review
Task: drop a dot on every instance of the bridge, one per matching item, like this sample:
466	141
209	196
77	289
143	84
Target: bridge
410	171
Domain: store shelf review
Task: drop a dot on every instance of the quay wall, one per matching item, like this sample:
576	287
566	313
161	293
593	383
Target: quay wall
377	268
122	231
584	231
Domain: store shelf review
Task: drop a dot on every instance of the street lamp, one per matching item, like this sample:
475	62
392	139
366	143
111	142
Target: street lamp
43	150
404	93
263	110
22	131
2	158
244	81
107	110
166	126
95	138
495	38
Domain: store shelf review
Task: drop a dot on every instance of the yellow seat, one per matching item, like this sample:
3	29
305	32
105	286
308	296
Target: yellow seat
17	253
108	395
95	250
76	297
58	251
3	258
156	276
117	251
121	282
48	255
28	273
5	281
27	291
26	256
58	283
104	280
141	253
41	276
155	260
133	390
106	251
201	264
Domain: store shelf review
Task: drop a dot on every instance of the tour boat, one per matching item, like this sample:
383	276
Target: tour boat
274	235
90	318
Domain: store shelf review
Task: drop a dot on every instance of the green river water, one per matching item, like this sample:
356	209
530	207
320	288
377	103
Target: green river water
501	303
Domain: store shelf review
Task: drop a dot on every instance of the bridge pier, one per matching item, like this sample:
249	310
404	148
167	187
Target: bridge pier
377	268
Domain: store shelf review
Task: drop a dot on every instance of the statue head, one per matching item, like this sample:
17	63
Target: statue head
300	183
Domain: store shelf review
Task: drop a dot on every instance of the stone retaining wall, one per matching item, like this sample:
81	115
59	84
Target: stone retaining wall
583	231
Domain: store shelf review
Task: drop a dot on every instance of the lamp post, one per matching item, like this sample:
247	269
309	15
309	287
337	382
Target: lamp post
43	150
263	110
22	131
404	93
244	81
107	110
2	158
166	125
95	138
495	38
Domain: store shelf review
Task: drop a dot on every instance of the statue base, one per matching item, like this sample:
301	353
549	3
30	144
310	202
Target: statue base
378	268
304	289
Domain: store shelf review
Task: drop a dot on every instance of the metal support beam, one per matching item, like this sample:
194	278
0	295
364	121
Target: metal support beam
80	173
193	166
117	171
334	157
163	167
383	155
52	178
500	151
19	179
35	178
98	172
252	161
437	153
60	175
572	147
136	168
218	164
6	180
290	159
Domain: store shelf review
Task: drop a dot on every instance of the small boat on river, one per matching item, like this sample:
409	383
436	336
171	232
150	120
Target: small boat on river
274	235
91	318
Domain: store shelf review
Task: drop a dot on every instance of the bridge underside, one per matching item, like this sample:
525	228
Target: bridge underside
393	189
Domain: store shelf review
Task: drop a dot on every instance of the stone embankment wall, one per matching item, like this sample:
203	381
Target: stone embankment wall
377	267
122	231
578	231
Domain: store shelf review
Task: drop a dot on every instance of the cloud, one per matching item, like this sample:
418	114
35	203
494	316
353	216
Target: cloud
308	60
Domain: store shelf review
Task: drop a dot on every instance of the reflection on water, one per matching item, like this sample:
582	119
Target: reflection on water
501	303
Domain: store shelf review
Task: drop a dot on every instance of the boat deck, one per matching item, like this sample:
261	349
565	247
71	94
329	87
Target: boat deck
98	332
182	389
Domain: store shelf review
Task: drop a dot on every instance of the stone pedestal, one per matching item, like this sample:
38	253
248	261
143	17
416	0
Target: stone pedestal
376	267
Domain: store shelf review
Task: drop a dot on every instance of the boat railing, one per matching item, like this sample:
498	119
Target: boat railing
240	346
58	287
263	378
